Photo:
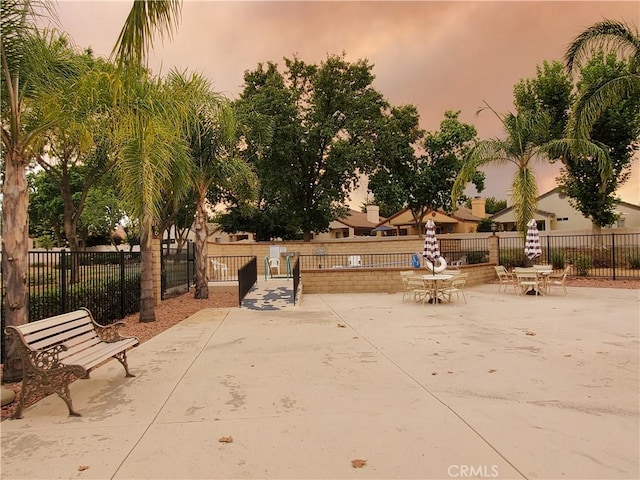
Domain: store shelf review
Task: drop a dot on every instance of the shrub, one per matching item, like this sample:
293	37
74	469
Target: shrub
558	260
582	263
102	298
513	258
475	257
634	262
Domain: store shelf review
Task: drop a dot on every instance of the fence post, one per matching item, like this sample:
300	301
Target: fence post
63	279
122	289
613	254
494	249
191	256
549	258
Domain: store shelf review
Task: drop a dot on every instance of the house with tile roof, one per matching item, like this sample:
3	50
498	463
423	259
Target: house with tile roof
463	220
355	224
555	213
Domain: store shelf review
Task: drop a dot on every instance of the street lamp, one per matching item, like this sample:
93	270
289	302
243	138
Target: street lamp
494	227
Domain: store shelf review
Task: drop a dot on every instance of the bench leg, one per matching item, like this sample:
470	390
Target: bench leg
54	381
122	358
66	398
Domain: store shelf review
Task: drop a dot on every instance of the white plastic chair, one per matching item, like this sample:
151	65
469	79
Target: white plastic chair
220	270
354	261
274	263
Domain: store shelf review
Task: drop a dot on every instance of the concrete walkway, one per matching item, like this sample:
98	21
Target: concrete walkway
501	387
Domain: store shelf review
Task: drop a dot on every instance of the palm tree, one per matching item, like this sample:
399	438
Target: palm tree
211	132
151	162
611	36
151	157
526	141
20	83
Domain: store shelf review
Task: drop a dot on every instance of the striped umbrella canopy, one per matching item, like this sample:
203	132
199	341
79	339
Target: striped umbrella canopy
431	250
532	248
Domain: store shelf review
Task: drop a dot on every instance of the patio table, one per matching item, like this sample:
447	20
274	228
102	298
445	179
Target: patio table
433	281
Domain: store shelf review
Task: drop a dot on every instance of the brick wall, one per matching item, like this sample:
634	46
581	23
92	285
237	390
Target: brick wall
373	280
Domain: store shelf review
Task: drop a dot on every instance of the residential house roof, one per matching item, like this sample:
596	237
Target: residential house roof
356	219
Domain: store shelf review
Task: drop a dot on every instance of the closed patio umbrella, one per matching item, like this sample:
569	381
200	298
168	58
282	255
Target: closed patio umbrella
532	248
431	251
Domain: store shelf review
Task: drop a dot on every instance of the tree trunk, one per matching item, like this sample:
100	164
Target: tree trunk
147	298
70	224
307	236
15	253
202	287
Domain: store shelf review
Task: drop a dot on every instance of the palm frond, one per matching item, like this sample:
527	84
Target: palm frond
609	35
483	153
582	150
146	17
592	103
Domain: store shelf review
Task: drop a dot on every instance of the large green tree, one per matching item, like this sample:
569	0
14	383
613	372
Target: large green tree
616	132
592	102
79	141
323	122
421	182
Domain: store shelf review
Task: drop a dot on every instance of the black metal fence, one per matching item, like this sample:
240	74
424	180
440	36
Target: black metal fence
177	268
107	283
369	260
226	269
296	278
611	255
247	278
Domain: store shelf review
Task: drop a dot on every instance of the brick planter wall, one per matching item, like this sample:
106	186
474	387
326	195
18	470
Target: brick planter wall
375	280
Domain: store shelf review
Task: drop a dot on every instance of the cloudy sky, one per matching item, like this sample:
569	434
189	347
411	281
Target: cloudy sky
437	55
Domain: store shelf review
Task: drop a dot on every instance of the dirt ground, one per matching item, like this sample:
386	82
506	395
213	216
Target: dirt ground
176	309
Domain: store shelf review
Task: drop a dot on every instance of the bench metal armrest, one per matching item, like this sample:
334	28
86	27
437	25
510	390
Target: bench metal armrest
46	359
110	333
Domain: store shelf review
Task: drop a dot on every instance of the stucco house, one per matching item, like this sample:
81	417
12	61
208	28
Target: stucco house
555	213
464	220
355	224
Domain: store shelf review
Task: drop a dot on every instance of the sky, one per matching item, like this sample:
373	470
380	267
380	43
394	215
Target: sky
436	55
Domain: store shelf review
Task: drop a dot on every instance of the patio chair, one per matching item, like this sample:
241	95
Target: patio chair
219	270
455	285
408	290
529	279
419	290
461	261
354	261
274	263
504	278
558	279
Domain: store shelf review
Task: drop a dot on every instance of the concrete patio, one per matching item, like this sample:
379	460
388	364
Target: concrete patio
501	387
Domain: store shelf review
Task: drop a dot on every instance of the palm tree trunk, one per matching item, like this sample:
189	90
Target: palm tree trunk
202	288
147	297
15	251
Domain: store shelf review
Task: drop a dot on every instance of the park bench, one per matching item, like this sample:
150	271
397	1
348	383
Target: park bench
57	350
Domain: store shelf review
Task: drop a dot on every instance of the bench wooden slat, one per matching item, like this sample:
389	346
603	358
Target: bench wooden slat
52	321
98	353
80	343
53	329
62	337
